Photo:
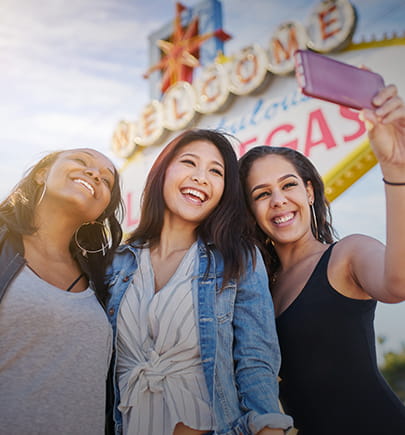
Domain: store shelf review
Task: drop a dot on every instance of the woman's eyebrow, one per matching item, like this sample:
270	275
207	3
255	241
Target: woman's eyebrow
216	162
282	178
92	155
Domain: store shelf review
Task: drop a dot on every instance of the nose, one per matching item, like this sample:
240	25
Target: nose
278	198
93	173
199	177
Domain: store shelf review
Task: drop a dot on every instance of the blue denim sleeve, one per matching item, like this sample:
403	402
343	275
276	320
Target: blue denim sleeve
256	351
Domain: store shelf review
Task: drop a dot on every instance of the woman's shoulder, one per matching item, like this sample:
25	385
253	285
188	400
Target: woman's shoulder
125	248
355	244
350	248
253	256
11	239
124	254
349	256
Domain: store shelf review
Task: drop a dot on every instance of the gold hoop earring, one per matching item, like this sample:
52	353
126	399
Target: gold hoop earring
42	194
104	246
314	220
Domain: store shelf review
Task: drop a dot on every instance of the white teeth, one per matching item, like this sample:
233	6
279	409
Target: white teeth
196	193
282	219
85	184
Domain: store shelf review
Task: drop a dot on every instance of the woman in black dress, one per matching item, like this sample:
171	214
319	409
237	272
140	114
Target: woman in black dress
325	293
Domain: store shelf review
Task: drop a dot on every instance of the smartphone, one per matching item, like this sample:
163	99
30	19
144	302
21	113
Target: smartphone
321	77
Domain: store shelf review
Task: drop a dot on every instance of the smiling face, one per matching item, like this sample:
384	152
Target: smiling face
279	199
194	182
82	179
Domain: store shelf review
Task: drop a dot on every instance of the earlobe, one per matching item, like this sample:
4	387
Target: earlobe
40	176
40	179
310	191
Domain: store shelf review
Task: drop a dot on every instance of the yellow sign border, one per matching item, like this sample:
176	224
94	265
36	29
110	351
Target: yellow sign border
356	163
349	170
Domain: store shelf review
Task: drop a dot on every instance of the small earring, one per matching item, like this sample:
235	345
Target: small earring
314	220
42	194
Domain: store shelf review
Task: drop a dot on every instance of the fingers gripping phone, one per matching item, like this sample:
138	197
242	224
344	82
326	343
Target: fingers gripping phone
321	77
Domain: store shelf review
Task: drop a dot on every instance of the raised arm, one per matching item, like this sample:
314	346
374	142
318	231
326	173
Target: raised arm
386	130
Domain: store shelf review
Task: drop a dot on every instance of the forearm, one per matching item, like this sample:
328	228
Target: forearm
386	130
395	247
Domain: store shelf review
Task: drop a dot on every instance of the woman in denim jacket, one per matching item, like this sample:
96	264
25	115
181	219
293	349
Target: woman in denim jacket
195	344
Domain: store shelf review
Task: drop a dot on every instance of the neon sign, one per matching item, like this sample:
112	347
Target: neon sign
331	26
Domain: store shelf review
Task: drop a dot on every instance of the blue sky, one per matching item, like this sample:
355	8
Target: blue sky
71	70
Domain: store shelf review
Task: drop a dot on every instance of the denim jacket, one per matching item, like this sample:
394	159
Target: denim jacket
237	336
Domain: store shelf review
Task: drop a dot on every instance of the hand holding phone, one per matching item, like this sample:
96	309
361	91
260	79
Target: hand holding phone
321	77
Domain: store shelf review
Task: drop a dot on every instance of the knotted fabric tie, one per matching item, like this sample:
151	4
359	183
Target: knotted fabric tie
149	377
148	374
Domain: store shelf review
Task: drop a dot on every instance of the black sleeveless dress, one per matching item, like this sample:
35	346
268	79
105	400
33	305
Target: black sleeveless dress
330	383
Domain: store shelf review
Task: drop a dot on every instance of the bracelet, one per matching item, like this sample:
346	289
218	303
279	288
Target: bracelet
390	183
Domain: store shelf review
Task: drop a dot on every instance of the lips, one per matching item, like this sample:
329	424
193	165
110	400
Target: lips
279	220
84	183
194	194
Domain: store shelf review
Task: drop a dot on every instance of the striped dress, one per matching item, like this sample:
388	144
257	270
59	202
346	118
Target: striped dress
159	367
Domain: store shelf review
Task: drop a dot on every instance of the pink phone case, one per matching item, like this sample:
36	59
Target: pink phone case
321	77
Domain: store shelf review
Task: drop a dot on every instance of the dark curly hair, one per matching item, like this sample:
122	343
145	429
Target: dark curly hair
17	212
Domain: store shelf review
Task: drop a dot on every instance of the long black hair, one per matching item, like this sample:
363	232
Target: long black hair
322	229
17	212
226	227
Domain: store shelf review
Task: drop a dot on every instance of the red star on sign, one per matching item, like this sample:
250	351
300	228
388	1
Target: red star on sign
181	53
